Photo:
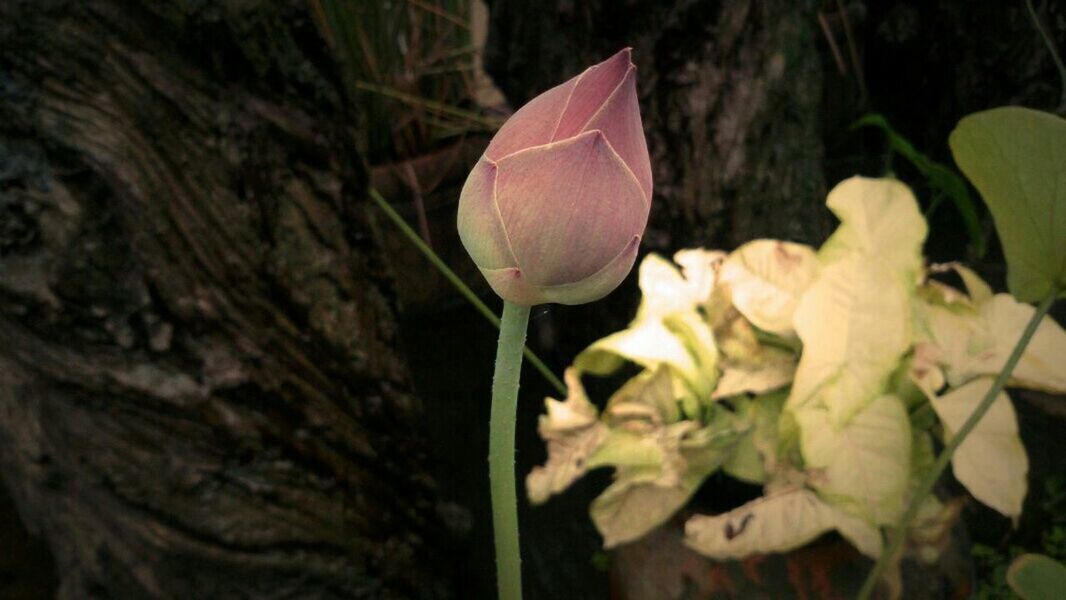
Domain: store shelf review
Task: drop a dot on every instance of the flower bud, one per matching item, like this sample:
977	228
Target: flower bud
555	208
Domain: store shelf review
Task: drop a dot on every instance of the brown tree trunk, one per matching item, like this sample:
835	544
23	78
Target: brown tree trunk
200	391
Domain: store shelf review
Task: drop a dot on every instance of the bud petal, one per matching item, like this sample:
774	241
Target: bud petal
619	120
599	284
480	229
568	208
511	285
593	88
533	124
555	209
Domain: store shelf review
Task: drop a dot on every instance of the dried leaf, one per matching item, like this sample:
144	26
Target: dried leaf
777	523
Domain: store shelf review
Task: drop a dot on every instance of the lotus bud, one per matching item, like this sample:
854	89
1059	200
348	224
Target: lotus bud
555	209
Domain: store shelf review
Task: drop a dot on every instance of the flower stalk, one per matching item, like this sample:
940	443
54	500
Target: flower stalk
502	448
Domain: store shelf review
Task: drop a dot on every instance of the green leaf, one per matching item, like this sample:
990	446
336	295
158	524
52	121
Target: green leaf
573	433
706	448
776	523
855	324
699	339
1037	577
755	454
864	466
766	279
879	218
1016	158
923	456
744	462
941	179
651	396
991	461
624	448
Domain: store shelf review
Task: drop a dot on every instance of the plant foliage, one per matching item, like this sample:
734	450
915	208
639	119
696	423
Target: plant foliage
822	374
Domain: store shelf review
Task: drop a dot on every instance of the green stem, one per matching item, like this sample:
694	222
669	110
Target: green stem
452	278
926	487
502	448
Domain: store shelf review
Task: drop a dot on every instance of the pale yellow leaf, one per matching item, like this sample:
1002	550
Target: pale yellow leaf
864	466
572	433
772	370
664	290
766	279
643	498
648	344
880	219
978	342
1043	364
777	523
700	269
991	461
628	509
979	291
855	323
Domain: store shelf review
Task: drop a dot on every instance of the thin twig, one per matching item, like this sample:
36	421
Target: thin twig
829	37
440	107
420	206
853	50
440	12
1054	53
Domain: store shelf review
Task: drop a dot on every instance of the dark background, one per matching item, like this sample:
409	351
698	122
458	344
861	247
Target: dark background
223	373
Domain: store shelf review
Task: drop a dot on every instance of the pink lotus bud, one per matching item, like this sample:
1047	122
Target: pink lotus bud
555	209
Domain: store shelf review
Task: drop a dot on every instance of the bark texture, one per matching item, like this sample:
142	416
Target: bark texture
200	391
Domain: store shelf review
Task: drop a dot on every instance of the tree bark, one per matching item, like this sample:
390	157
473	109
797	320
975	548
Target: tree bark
200	391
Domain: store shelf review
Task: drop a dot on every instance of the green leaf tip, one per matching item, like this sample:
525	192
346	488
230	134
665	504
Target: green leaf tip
1016	158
